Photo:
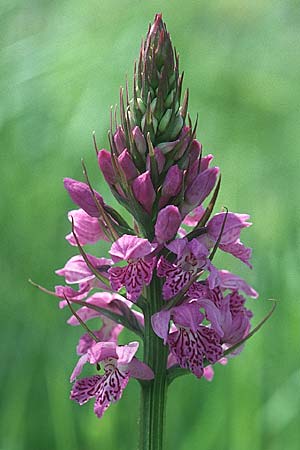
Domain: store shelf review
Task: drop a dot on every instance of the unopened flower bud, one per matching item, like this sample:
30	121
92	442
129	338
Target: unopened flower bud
81	194
167	223
119	140
194	151
166	147
176	127
105	164
205	162
172	185
141	105
139	140
143	191
197	192
165	120
127	165
160	159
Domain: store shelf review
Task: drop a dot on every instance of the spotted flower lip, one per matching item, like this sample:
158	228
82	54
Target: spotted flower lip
192	342
136	251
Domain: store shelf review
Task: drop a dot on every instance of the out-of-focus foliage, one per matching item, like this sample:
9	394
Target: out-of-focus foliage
62	63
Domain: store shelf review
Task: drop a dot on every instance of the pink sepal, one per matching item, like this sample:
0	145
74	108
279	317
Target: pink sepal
81	194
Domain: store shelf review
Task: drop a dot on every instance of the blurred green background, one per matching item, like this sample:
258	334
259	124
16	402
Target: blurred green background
62	63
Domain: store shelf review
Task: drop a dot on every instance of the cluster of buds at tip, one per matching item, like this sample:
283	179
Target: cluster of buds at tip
156	170
154	158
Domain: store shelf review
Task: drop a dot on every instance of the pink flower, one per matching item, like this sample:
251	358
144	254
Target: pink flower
187	314
119	365
191	257
140	266
230	239
191	342
229	313
76	271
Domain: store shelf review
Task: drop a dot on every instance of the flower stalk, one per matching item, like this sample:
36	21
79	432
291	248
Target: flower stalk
154	392
158	280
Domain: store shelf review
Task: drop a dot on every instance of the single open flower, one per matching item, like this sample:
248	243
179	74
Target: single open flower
119	364
138	271
191	257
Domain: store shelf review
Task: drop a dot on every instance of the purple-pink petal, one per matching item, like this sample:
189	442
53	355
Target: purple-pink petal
87	228
194	216
76	270
119	140
138	369
172	185
160	323
126	353
79	366
100	299
233	226
199	189
129	247
240	251
133	276
187	315
101	351
228	280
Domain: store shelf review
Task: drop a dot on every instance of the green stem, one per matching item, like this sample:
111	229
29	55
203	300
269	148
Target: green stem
153	393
